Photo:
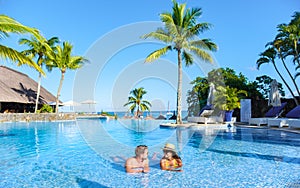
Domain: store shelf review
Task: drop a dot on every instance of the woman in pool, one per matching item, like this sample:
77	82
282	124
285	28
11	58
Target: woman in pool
140	162
170	161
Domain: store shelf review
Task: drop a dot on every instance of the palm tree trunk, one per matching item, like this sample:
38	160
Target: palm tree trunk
39	62
59	89
138	111
179	88
38	93
284	64
296	101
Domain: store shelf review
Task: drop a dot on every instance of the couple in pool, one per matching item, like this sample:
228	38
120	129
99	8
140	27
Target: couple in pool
140	162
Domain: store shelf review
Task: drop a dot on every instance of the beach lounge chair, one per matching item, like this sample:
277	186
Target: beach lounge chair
274	112
291	119
205	116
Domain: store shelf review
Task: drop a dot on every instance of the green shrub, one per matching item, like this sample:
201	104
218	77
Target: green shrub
46	109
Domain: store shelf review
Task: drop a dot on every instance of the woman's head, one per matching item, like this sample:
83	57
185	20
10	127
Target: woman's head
170	151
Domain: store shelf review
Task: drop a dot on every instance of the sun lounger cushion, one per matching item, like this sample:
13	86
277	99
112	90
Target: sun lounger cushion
207	107
206	113
294	113
275	111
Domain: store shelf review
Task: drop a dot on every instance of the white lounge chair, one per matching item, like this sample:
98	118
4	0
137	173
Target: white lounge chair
292	119
206	120
274	112
279	122
294	123
205	116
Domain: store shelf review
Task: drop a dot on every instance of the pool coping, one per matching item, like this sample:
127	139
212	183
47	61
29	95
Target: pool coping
224	125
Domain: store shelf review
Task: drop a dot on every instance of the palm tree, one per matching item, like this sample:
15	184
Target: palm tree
282	46
292	31
298	73
62	59
269	56
38	49
136	101
9	25
179	33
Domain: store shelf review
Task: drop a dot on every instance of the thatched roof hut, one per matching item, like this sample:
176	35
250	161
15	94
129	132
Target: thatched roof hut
17	89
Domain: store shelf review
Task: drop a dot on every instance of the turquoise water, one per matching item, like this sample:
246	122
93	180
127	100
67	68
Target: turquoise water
84	153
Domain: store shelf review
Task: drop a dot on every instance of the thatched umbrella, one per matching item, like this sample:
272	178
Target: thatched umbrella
211	92
274	96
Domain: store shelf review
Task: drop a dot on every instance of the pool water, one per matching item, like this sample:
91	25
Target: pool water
88	153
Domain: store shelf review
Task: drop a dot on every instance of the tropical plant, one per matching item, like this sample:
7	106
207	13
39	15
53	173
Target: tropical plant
136	101
179	33
45	109
227	98
62	59
9	25
38	49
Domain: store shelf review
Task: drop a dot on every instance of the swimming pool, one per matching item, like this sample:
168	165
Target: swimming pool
80	154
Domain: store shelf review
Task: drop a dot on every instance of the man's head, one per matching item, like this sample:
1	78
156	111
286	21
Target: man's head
141	151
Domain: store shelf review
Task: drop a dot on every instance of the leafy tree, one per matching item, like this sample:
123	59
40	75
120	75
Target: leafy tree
38	49
136	101
197	97
228	77
179	33
263	86
63	59
9	25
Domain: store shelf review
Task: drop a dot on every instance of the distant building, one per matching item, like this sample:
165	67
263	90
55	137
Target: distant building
18	92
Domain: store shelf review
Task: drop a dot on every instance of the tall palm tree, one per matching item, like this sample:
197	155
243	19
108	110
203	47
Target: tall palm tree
269	56
179	33
293	29
38	49
136	101
62	59
297	73
9	25
282	46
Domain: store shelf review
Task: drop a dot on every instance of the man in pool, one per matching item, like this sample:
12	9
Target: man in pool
140	162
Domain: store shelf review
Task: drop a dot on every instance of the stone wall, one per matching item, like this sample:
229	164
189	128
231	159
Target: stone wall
27	117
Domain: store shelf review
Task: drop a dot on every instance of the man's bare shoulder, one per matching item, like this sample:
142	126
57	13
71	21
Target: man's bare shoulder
130	160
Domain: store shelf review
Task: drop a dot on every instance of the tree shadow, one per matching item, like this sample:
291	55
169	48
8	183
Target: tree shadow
83	183
30	94
285	159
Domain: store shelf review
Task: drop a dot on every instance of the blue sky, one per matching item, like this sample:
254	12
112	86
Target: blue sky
241	28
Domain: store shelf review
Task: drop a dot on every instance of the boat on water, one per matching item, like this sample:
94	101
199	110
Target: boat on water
169	113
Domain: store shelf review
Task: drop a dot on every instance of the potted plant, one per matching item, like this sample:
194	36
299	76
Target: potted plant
228	99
